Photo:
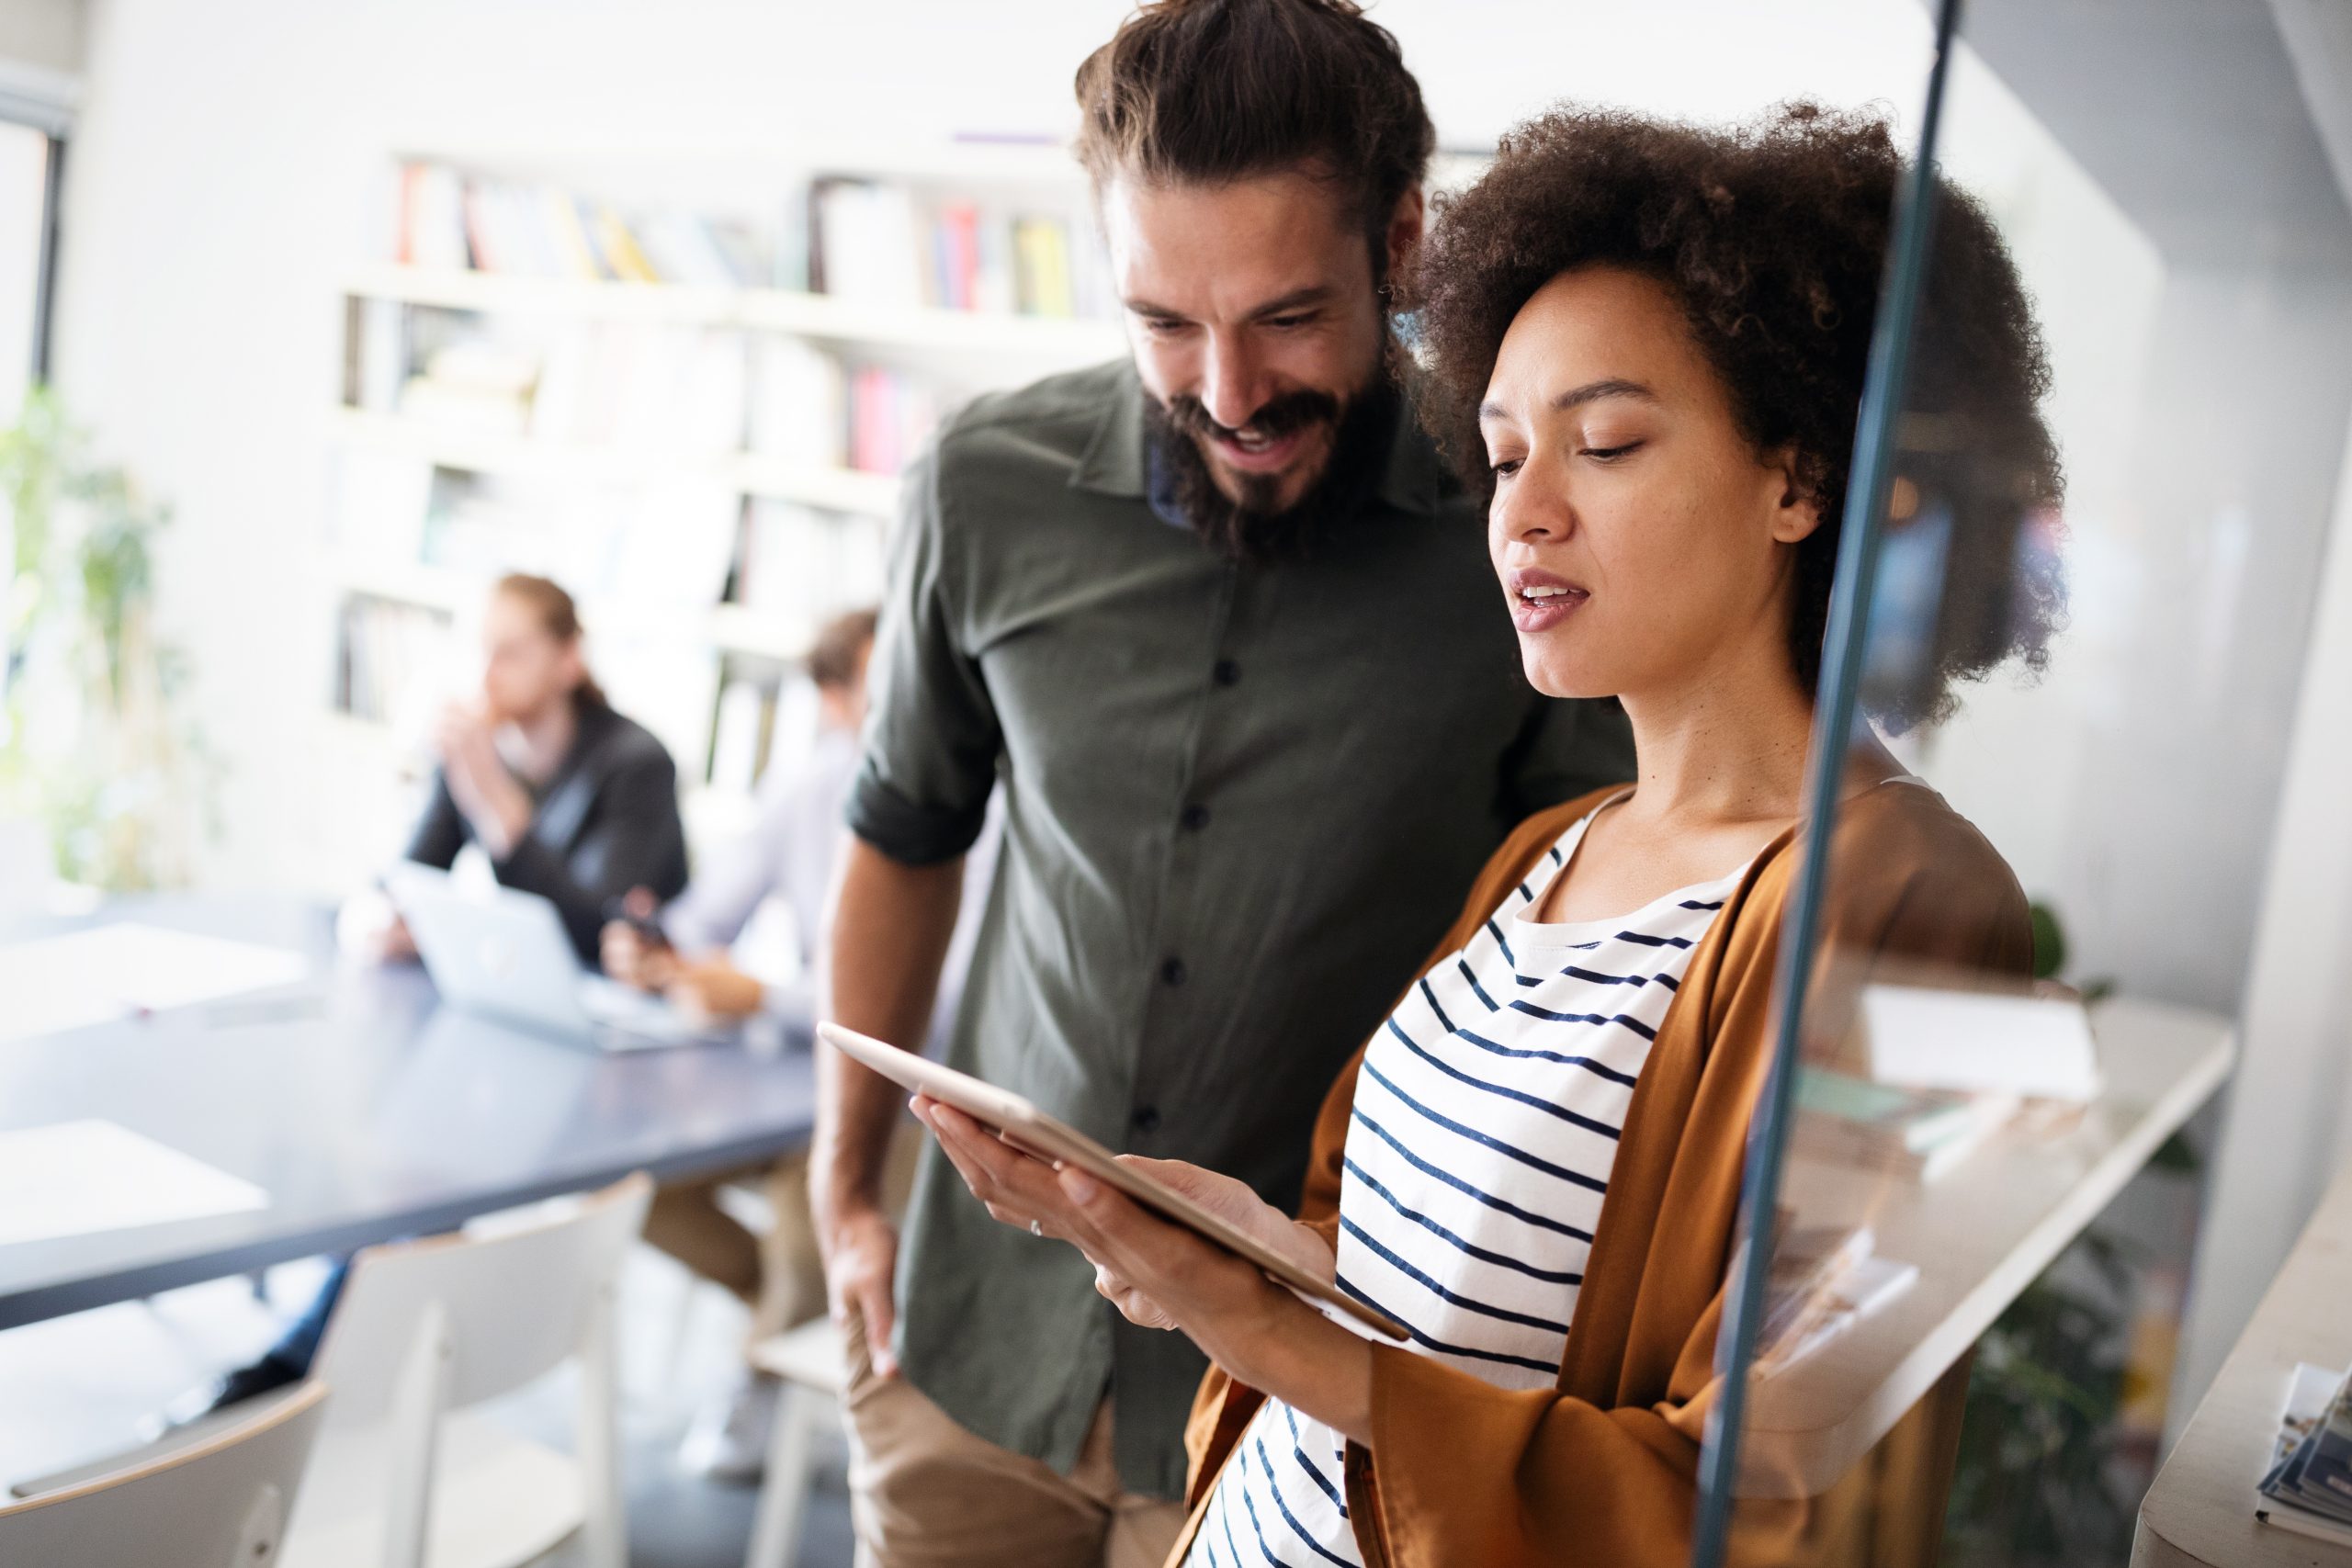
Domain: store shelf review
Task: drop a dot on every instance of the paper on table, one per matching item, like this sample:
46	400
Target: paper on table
76	1178
103	972
1983	1041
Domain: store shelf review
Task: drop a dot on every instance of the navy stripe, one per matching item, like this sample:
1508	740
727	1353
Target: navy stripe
1443	1022
1297	1448
1611	1073
1600	979
1501	943
1498	1204
1694	904
1635	1024
1554	853
1668	981
1255	1527
1536	1101
1292	1519
1418	1337
1549	1276
1452	1298
1653	941
1531	1161
1225	1517
1476	989
1527	893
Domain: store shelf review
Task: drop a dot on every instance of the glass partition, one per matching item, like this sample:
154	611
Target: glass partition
2073	588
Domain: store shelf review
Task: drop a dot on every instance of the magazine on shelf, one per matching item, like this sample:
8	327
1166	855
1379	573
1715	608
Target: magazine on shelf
1823	1281
2308	1488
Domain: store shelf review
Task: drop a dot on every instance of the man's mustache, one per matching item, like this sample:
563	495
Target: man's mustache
1276	418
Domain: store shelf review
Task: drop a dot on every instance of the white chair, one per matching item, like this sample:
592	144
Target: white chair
406	1477
219	1503
809	1359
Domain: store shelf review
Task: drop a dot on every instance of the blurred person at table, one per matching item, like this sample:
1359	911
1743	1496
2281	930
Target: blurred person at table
742	938
565	796
713	952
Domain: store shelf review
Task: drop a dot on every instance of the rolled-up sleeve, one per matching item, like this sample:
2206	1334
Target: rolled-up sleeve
931	737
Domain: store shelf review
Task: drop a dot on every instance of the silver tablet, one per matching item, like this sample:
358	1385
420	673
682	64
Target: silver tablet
1030	1129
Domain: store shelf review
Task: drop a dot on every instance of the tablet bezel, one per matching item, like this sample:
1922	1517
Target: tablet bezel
1025	1127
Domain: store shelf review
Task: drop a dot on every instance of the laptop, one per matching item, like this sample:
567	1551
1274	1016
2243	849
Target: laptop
502	954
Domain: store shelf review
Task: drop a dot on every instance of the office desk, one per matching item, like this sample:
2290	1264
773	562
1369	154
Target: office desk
2200	1513
365	1108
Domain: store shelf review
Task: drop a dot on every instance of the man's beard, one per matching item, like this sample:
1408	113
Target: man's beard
1253	528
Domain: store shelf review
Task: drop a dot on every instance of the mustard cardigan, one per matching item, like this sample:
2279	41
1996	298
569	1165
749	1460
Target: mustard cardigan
1601	1468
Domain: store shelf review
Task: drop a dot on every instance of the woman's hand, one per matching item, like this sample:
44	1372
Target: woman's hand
1023	1190
1162	1276
494	805
634	959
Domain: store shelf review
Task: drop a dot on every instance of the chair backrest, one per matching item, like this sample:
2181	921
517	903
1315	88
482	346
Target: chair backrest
512	1305
219	1504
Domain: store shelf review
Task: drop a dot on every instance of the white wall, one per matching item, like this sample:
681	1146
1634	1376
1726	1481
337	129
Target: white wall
230	164
2289	1128
43	33
231	156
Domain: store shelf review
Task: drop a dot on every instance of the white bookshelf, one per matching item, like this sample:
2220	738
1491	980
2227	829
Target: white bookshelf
1042	344
393	312
749	473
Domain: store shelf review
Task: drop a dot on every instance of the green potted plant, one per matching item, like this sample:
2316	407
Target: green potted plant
95	747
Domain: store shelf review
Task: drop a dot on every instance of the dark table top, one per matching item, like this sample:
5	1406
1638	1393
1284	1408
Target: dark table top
364	1108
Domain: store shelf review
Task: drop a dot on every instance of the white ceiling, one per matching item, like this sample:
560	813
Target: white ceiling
2193	115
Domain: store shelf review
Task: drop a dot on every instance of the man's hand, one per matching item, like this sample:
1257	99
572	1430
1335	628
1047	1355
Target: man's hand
713	988
861	1249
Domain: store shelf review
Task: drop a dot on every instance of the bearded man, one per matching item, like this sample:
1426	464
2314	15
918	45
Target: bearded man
1218	624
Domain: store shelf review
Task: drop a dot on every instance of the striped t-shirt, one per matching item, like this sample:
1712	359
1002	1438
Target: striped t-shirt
1485	1122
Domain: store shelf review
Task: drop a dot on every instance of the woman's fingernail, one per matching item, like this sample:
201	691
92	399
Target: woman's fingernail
1077	1186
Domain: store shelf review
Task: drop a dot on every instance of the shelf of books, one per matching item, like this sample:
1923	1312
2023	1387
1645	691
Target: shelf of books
685	389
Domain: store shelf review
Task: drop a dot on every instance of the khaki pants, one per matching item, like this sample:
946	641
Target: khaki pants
780	1275
925	1493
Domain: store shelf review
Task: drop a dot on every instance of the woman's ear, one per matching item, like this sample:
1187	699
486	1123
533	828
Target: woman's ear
1796	510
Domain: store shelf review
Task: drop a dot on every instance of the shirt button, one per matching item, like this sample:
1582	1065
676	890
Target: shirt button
1146	1118
1226	672
1195	817
1172	971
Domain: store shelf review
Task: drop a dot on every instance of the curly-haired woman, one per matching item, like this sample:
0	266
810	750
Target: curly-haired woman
1651	340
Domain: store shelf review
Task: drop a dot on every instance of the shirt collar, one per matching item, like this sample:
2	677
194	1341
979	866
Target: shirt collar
1118	460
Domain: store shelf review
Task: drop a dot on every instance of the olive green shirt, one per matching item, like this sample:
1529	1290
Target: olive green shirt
1241	801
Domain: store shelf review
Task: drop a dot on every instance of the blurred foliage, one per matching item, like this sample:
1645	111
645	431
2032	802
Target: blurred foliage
92	743
2034	1482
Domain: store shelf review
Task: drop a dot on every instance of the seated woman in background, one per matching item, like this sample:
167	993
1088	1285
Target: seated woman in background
566	797
1654	340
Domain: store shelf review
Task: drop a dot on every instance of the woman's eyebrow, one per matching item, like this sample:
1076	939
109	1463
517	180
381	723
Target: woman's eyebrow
1610	387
